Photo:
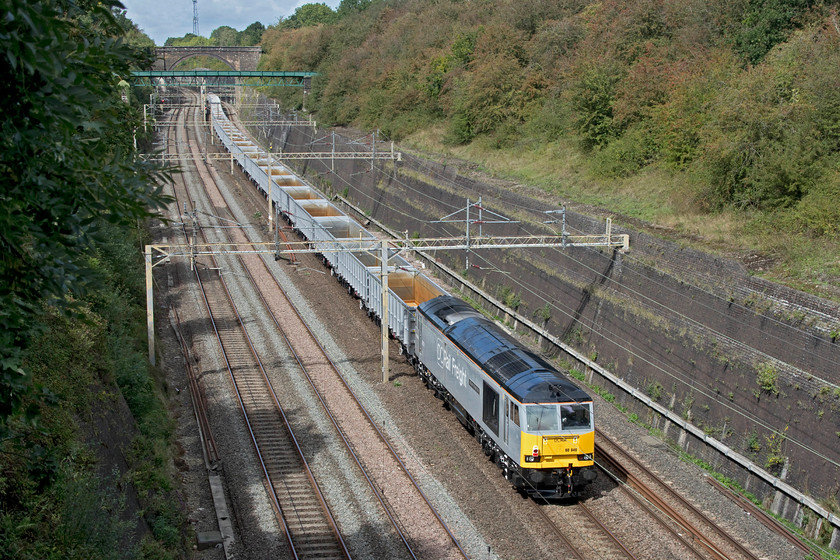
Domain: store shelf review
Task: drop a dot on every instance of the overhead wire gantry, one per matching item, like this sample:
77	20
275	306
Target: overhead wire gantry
158	253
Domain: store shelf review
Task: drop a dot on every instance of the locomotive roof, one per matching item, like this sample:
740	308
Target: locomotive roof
525	375
445	311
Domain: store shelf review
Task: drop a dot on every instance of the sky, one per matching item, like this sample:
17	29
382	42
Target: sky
161	19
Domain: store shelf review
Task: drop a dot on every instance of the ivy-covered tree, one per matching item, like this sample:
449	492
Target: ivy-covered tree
66	163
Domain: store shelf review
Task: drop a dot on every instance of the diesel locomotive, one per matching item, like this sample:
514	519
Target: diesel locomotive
528	417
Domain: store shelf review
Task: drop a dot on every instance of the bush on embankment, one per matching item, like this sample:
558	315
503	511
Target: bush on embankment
77	465
713	120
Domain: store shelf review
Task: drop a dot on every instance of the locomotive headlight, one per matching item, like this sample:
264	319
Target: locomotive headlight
585	457
534	457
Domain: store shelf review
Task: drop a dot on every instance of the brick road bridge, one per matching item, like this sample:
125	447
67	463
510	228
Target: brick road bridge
238	58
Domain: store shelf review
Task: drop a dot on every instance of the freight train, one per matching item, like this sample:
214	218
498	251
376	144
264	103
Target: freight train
528	417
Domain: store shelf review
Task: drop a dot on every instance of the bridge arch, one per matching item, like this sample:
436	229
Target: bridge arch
238	58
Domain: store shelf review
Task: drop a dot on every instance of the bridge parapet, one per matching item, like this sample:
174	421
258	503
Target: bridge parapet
238	58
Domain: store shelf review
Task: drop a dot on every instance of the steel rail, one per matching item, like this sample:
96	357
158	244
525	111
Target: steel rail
557	532
265	467
295	546
590	516
324	355
361	407
270	489
198	398
649	494
655	513
609	533
380	498
762	516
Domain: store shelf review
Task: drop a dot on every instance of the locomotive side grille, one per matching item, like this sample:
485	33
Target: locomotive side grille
507	364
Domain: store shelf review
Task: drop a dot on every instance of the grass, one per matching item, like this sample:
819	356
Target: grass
660	199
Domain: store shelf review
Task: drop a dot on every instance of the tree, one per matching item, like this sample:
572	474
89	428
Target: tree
188	40
352	6
308	15
251	35
593	100
766	24
65	162
224	36
133	35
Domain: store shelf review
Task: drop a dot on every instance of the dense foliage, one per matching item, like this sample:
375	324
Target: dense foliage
224	36
65	160
71	198
736	102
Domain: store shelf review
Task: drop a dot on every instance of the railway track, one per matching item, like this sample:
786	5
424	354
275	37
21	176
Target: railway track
706	539
410	512
412	515
582	532
398	492
307	522
658	509
763	517
197	395
575	525
308	525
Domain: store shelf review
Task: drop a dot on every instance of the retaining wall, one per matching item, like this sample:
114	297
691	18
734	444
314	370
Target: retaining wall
693	345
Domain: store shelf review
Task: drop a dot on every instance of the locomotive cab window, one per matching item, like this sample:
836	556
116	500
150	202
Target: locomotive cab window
575	416
513	414
542	417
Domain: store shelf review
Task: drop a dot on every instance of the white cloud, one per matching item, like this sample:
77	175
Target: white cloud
161	19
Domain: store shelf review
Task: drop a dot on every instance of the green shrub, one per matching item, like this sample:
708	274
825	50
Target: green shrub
593	96
627	154
767	23
768	379
544	313
753	444
654	390
509	297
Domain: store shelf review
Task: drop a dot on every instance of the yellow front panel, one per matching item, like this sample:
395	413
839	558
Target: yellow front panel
557	451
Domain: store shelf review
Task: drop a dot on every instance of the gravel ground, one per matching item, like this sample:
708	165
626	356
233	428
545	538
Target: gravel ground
490	519
690	481
246	497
